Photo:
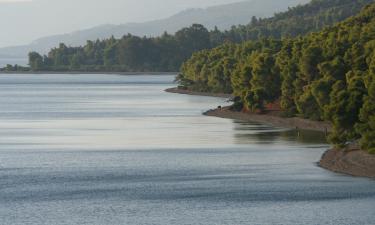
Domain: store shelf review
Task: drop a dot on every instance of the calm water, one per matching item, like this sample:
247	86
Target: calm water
106	149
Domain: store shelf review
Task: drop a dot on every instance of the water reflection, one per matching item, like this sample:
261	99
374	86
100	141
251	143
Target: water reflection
108	150
256	133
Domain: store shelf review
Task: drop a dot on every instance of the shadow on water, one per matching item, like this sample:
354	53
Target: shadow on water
250	133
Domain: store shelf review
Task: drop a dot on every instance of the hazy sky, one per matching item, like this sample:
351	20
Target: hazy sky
23	21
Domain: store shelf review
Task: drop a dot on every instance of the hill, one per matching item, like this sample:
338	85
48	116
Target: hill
325	76
168	52
222	16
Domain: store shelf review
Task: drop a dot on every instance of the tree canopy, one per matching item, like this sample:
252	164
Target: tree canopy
327	75
168	52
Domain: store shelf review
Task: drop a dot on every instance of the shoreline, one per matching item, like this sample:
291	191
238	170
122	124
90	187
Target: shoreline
86	72
187	92
351	161
270	119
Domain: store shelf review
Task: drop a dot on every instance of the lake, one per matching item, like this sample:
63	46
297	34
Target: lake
110	149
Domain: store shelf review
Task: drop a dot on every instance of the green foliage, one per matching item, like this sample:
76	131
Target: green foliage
129	53
265	81
168	52
15	68
210	71
366	126
35	61
343	111
307	105
299	20
327	75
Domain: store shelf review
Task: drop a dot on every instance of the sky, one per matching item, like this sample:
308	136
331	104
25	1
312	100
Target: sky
23	21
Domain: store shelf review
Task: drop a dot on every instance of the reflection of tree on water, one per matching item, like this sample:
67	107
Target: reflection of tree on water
247	133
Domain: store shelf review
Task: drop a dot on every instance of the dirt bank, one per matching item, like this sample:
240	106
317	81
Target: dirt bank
271	119
187	92
350	161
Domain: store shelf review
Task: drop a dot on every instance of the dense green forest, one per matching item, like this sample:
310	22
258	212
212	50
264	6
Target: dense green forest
327	75
297	21
168	52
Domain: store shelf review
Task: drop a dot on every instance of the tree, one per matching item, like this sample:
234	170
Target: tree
193	39
35	61
265	82
169	52
366	126
326	75
110	55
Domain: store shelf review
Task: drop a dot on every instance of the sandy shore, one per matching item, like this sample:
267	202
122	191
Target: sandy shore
273	120
270	119
187	92
351	161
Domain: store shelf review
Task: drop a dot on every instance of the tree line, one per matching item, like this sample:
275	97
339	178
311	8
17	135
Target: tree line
129	53
168	52
327	75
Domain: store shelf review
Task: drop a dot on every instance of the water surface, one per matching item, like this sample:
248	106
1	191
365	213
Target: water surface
107	149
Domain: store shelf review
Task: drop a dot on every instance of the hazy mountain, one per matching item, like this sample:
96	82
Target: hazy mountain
27	20
222	16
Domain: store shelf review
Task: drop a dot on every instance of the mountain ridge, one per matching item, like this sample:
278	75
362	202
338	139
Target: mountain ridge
220	16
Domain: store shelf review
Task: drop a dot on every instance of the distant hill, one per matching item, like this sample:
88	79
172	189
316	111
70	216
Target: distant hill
222	16
169	52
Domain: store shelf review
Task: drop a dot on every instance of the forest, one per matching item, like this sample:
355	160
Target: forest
326	76
167	52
